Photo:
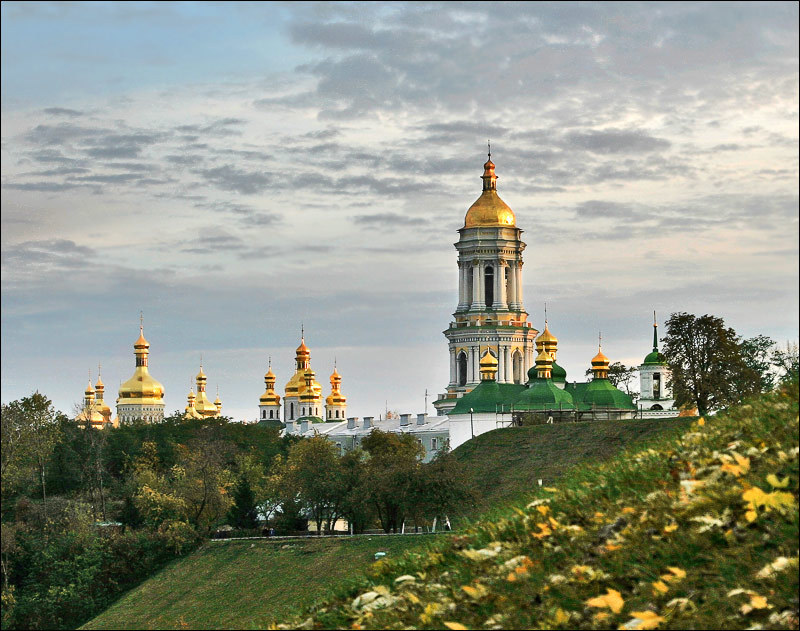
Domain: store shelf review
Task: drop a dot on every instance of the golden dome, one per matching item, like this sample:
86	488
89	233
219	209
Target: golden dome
89	390
600	360
488	360
489	209
270	398
217	401
544	358
335	377
546	335
141	386
297	384
141	342
201	376
302	350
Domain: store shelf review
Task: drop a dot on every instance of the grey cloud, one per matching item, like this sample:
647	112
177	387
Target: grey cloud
185	160
61	134
23	258
43	187
59	171
221	127
230	178
387	220
62	111
129	151
616	141
211	243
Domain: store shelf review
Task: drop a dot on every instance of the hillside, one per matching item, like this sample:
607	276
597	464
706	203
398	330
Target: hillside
696	531
248	584
504	466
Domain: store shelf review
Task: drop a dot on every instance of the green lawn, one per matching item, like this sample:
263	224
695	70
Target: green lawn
504	466
247	584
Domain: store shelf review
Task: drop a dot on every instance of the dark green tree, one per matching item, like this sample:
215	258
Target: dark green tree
243	514
705	358
757	355
786	362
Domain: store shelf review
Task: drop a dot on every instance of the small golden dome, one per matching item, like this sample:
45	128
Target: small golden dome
546	336
335	377
544	358
89	390
191	396
141	342
302	350
217	401
599	359
201	376
488	360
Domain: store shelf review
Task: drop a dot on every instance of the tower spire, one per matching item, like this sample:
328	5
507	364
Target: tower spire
489	144
655	333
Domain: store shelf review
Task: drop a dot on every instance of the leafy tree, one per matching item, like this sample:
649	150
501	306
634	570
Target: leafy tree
243	514
355	484
312	475
757	355
786	362
394	463
704	356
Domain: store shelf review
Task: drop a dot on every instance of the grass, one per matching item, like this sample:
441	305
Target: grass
504	466
698	530
244	584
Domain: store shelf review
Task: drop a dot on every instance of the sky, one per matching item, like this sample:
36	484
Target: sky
238	170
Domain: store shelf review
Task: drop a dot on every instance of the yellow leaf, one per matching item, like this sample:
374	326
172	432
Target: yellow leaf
671	528
512	576
456	626
660	587
732	469
477	592
550	489
678	572
750	515
561	616
775	482
701	421
553	522
543	509
643	620
742	461
544	531
628	510
611	547
758	602
600	616
612	600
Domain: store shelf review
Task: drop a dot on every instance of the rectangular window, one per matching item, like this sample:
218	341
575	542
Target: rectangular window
434	443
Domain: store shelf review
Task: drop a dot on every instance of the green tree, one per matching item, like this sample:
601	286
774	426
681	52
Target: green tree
704	356
243	514
355	485
621	376
757	354
312	474
393	465
786	362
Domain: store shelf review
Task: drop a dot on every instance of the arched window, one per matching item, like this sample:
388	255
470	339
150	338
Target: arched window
656	407
291	414
516	362
263	414
656	385
488	281
462	368
270	413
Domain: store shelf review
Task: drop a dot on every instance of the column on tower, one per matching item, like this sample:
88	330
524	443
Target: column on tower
472	363
500	364
513	304
500	285
478	282
518	272
507	376
453	368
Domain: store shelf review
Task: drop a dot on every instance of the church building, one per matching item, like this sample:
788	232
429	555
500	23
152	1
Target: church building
654	375
141	398
199	406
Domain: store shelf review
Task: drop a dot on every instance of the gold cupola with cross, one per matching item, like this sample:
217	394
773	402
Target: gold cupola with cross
141	398
336	402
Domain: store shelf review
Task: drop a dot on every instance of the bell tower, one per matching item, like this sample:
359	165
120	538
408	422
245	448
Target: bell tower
490	313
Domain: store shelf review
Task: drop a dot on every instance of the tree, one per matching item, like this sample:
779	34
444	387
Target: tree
394	463
786	362
355	484
757	355
705	359
312	475
243	514
31	431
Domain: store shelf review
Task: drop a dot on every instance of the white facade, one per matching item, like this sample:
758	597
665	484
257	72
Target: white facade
656	396
462	428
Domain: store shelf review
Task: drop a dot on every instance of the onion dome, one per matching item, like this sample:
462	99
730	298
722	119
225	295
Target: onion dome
544	363
558	374
201	376
336	397
142	388
89	392
488	367
532	374
270	397
489	209
600	363
218	402
302	350
546	337
543	394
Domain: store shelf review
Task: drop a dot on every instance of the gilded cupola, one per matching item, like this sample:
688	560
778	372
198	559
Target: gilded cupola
489	209
336	397
544	364
203	404
488	367
270	397
142	388
600	364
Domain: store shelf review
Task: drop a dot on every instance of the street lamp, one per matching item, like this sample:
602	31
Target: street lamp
471	426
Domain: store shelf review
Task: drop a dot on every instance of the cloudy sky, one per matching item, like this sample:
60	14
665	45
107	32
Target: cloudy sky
233	170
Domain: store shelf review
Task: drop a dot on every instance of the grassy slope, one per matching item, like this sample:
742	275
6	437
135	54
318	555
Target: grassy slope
244	584
504	466
698	531
234	585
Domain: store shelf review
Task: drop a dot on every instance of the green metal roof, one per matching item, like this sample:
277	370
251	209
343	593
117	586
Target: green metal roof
488	396
543	394
558	373
600	393
655	358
